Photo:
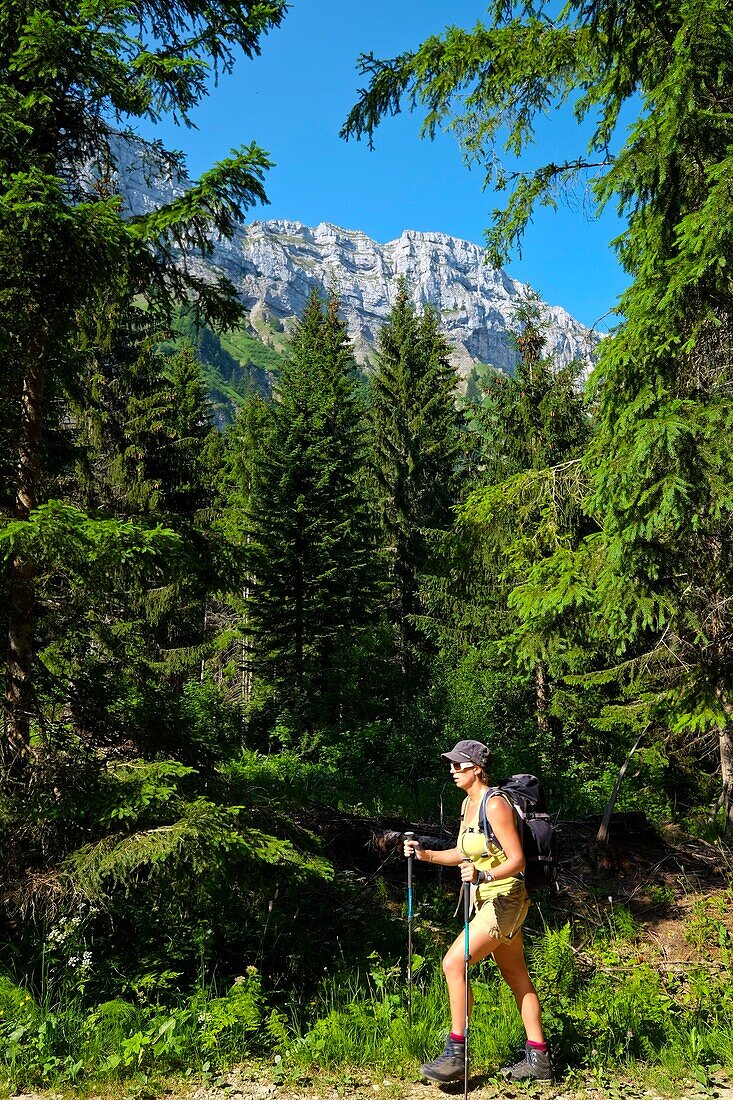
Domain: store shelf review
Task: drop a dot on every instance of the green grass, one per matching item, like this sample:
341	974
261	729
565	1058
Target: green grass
597	1021
44	1044
249	349
604	1018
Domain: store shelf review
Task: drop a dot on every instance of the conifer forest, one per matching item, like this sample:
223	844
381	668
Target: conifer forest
232	656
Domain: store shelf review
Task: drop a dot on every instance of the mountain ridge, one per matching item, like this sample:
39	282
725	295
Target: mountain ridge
276	263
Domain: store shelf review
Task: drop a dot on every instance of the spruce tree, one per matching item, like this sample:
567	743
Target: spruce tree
537	417
312	575
656	583
68	75
416	459
533	429
115	657
244	444
184	462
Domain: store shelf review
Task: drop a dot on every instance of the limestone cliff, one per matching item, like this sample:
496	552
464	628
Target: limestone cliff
275	264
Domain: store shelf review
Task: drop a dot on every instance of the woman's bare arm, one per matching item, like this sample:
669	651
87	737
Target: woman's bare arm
445	857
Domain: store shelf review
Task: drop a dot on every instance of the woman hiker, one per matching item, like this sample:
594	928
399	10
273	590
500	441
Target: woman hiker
501	906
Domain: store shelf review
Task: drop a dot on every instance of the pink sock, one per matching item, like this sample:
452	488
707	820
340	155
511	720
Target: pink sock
456	1038
537	1046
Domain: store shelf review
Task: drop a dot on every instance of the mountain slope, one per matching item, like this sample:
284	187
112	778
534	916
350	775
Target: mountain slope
275	264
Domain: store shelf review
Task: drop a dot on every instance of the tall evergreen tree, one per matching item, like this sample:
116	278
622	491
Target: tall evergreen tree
661	467
243	443
416	457
185	466
66	76
312	584
533	429
113	659
536	418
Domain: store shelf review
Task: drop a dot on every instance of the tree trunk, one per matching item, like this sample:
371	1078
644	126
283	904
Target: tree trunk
19	663
202	668
719	632
602	837
725	736
542	698
15	748
247	679
247	687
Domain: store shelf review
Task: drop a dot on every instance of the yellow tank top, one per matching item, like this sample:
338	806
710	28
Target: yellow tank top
472	842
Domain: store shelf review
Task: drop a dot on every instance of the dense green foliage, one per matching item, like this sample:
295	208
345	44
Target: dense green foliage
72	264
649	588
210	636
310	548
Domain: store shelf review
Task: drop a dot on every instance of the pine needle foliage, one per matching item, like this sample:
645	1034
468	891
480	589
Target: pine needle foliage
416	455
660	467
202	839
313	579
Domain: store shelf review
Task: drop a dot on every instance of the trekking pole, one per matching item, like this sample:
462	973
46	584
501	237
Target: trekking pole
410	860
466	960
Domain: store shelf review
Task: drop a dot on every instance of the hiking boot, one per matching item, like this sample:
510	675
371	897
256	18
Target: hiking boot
534	1065
448	1066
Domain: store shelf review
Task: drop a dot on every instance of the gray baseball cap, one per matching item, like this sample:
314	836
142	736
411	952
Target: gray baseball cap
473	752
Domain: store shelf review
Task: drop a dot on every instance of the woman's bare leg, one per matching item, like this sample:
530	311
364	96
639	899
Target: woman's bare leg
511	962
480	944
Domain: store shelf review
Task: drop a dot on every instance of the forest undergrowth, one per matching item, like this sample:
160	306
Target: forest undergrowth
631	960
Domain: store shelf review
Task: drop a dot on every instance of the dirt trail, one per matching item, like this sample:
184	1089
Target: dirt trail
261	1082
251	1084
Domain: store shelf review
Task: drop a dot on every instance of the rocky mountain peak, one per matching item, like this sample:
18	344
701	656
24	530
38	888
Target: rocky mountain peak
275	264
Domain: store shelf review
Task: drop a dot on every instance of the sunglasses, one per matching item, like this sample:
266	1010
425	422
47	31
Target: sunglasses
463	766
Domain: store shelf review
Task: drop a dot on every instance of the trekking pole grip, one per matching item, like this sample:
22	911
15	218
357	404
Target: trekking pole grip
409	835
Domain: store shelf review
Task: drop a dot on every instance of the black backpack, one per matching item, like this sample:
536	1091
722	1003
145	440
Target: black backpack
525	795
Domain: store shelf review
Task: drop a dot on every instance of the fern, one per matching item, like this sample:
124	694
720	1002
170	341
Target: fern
203	838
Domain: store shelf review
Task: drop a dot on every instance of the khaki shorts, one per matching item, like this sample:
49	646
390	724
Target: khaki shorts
503	915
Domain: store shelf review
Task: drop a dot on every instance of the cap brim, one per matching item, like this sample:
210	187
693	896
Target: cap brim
456	757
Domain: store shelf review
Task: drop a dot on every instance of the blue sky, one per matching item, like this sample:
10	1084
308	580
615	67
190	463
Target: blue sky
293	101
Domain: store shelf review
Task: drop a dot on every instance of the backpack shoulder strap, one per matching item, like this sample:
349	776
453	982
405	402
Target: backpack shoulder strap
489	835
498	792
